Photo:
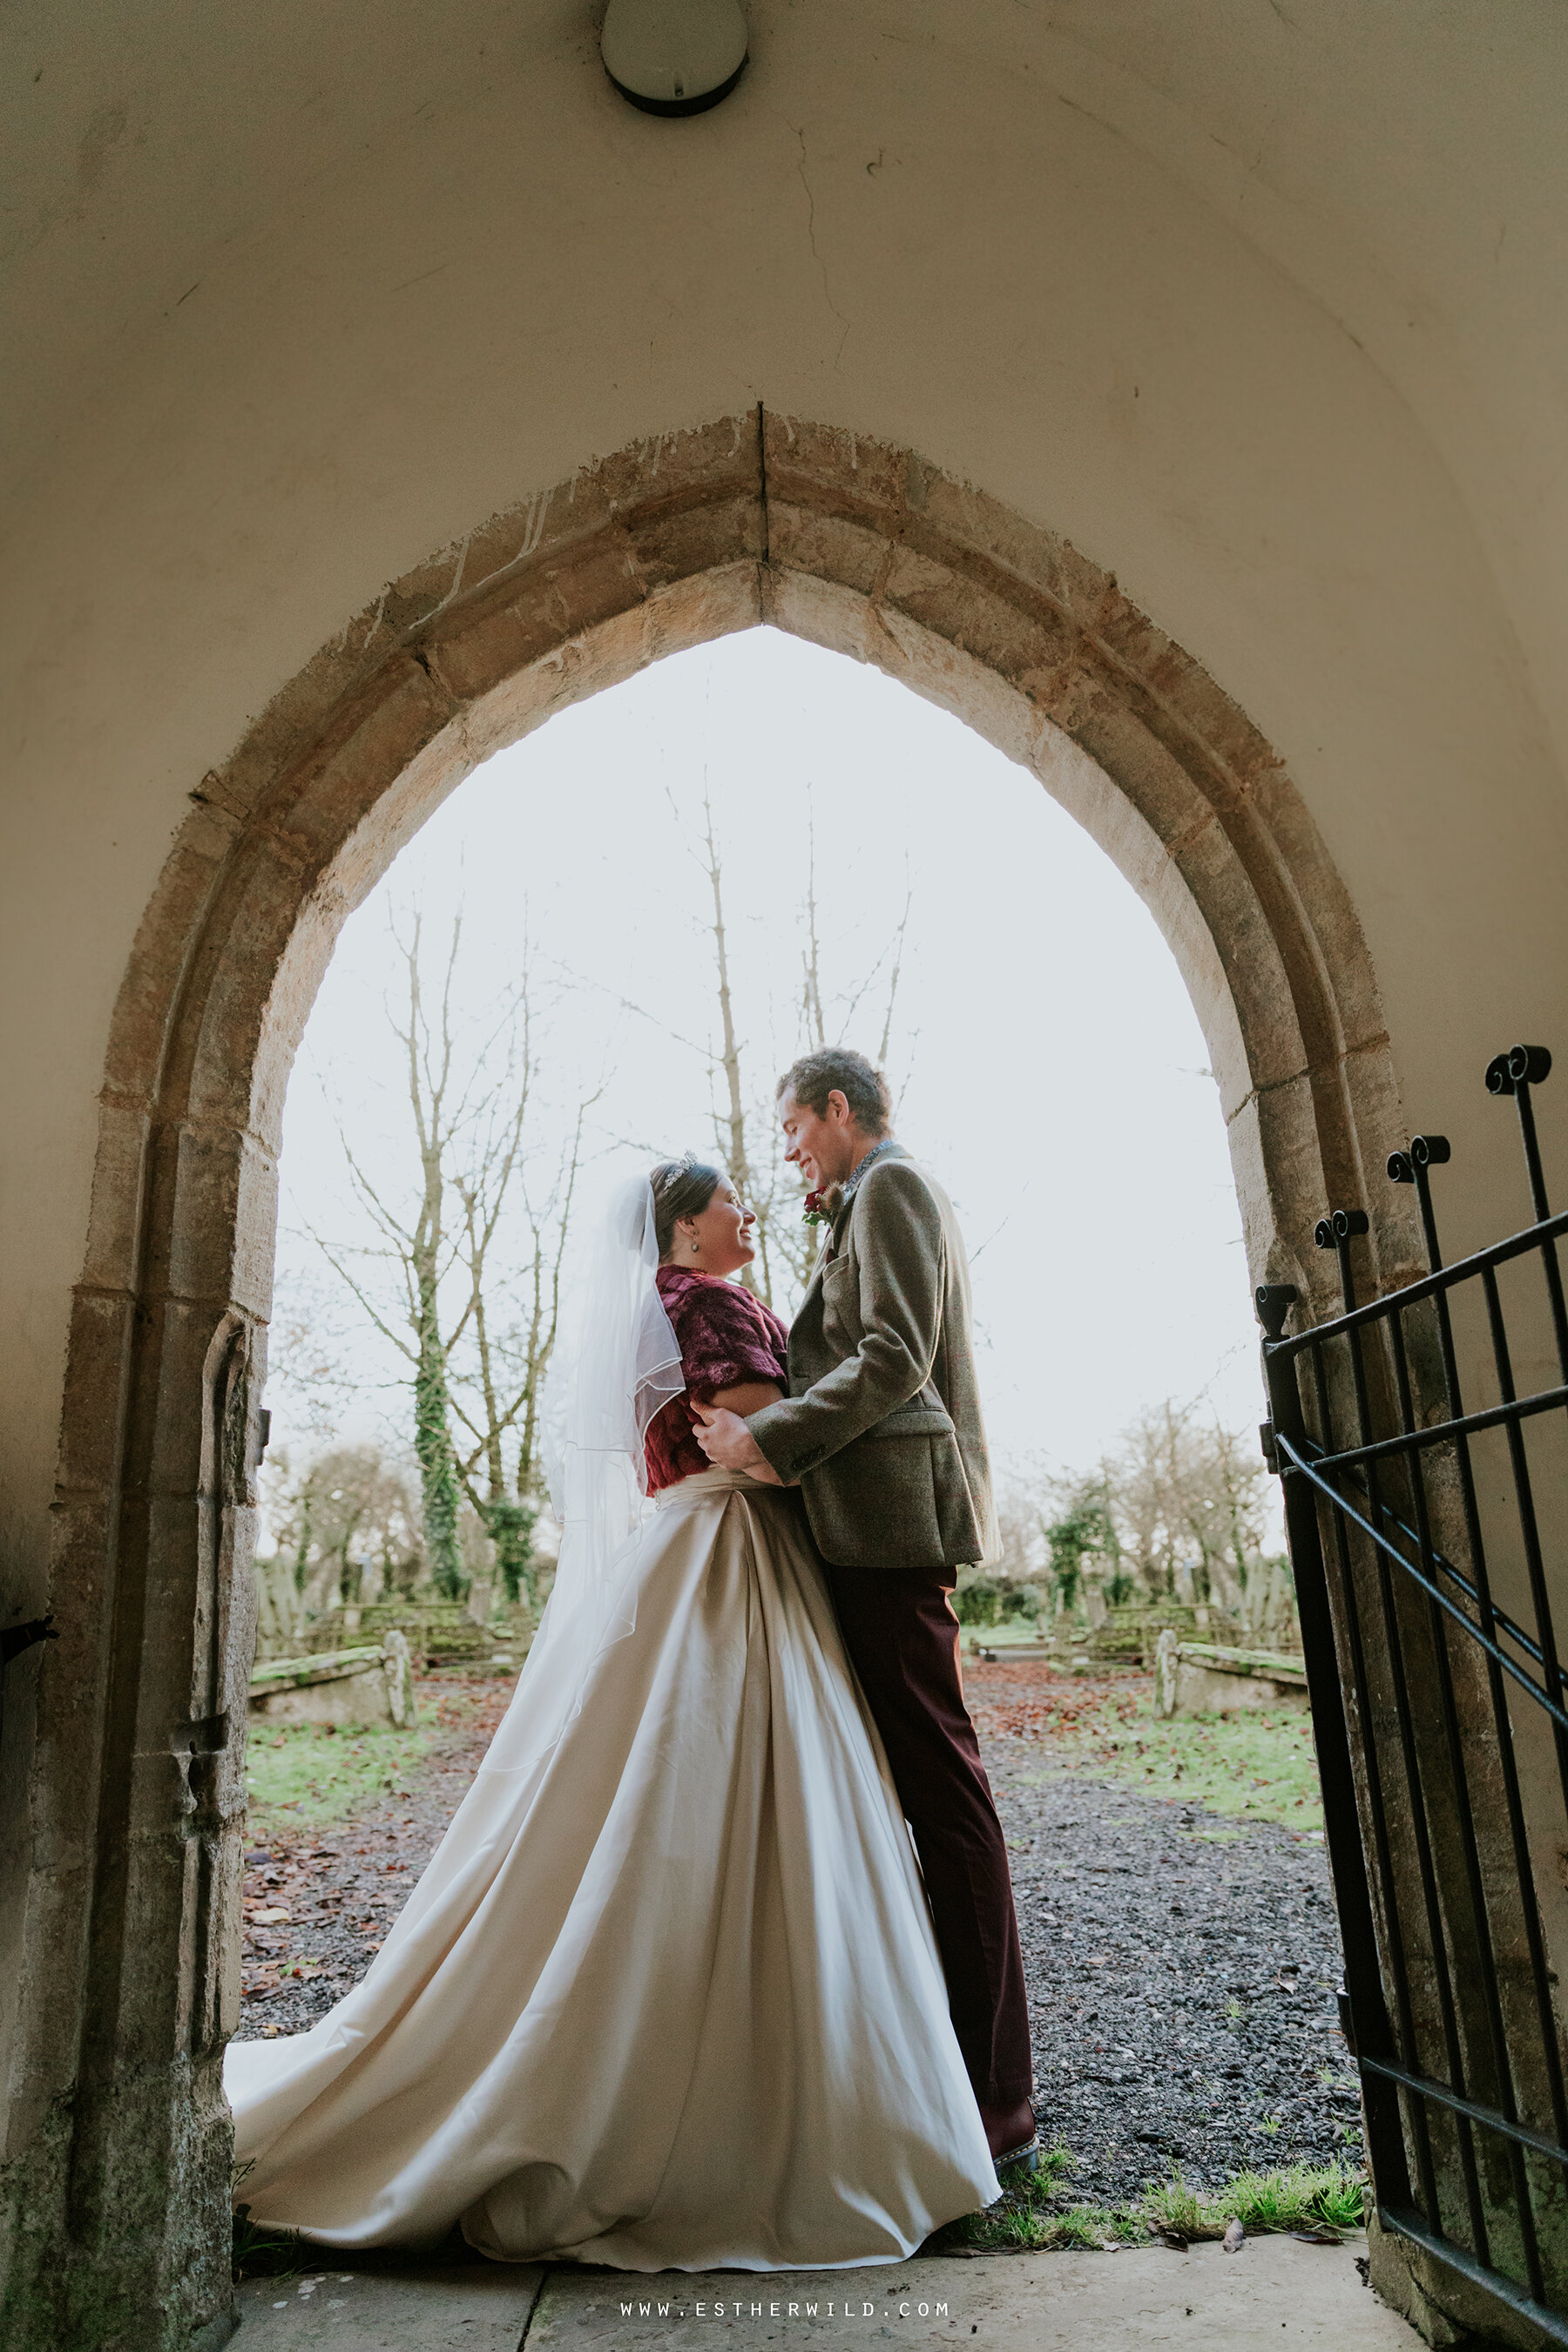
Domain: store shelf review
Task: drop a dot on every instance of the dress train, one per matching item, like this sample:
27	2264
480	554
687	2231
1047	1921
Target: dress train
667	1994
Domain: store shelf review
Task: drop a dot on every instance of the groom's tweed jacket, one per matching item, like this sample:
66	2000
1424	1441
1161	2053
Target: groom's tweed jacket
882	1425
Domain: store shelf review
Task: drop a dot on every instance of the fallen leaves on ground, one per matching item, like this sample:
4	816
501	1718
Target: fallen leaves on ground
1253	1766
319	1898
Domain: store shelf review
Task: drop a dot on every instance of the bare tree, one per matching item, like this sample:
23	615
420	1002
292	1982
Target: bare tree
349	1523
1143	1474
734	1120
496	1386
414	1238
306	1373
1190	1500
1175	1511
787	1247
742	1052
470	1306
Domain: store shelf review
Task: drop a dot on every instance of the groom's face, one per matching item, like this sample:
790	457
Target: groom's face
820	1143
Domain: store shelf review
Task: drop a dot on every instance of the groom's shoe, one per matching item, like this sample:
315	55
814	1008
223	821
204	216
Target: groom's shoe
1014	2135
1019	2159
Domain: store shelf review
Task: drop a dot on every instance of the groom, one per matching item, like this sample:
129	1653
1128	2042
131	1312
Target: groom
882	1433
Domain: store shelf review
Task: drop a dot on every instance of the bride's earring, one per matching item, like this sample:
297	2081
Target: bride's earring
695	1249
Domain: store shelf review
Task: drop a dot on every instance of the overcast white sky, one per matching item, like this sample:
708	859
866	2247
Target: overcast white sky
1052	1074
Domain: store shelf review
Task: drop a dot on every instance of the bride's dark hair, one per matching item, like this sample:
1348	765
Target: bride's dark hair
682	1187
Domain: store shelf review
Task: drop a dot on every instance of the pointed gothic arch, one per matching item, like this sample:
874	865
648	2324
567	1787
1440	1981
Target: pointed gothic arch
137	1787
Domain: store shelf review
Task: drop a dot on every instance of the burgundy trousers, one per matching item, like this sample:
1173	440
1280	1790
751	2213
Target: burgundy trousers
902	1640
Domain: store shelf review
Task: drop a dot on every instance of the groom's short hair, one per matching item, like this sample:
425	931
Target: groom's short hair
834	1069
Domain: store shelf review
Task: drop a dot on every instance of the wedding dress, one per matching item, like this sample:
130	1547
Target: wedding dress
667	1994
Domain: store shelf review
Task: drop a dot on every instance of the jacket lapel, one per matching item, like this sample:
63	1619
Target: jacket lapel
839	1227
889	1150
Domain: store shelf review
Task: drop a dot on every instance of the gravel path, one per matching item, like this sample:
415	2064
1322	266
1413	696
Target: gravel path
1179	1966
1180	1985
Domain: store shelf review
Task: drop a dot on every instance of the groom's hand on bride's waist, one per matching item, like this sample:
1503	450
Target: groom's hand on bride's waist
729	1445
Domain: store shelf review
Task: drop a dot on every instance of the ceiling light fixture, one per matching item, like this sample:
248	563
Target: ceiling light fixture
674	57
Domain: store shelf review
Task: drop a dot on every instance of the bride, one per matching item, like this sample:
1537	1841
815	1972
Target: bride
667	1995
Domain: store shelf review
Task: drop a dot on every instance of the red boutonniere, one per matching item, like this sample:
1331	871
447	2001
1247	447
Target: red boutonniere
814	1212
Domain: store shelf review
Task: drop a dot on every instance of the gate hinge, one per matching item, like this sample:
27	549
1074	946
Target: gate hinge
1270	1450
17	1638
207	1735
1346	2024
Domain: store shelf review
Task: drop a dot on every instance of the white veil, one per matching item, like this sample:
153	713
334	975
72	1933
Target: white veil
615	1364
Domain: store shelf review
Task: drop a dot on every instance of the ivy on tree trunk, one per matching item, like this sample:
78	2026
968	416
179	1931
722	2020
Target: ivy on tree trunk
433	1450
510	1526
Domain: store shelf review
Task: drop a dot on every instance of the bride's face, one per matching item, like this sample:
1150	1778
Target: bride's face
718	1240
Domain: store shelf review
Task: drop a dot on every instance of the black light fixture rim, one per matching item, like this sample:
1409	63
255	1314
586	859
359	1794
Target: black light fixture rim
698	105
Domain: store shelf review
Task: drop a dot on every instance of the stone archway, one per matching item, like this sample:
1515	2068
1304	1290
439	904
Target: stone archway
120	2181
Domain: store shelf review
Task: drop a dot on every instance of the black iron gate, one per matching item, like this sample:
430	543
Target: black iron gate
1413	1515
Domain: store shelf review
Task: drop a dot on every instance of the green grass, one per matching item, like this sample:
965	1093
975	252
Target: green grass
1032	2214
1297	2197
263	2253
1252	1768
305	1777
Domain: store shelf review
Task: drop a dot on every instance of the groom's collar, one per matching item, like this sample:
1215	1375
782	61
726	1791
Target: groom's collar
844	1198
